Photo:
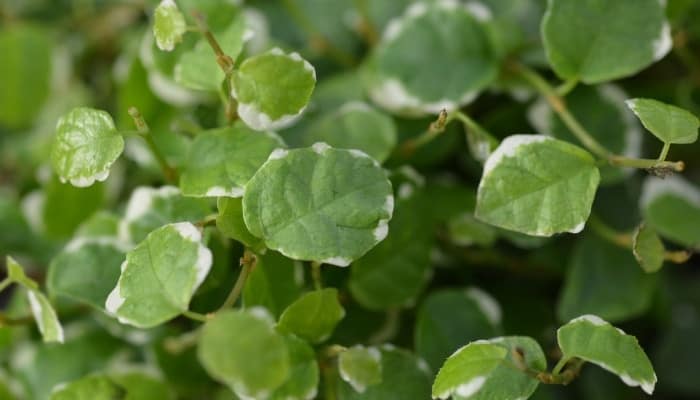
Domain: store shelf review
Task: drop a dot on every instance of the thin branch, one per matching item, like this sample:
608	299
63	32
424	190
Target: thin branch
169	172
248	263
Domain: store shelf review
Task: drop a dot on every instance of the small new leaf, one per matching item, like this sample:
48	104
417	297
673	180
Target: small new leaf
313	316
273	89
648	248
159	276
85	147
466	371
168	25
669	123
594	340
360	367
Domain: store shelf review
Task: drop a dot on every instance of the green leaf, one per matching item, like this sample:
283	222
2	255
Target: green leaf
96	387
274	284
466	371
604	279
45	316
273	89
60	217
197	68
221	161
242	350
508	380
302	383
150	208
85	147
538	186
465	230
168	25
395	272
672	207
16	274
319	204
361	367
313	316
594	340
456	59
628	36
448	318
648	248
142	386
230	222
355	126
601	110
160	275
669	123
25	73
86	270
404	376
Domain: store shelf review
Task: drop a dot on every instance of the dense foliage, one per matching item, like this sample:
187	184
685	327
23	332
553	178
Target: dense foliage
349	199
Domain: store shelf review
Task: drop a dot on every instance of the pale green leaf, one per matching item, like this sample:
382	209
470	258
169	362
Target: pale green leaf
627	36
230	223
604	279
197	68
45	317
168	25
274	284
594	340
669	123
242	350
16	274
404	376
538	186
160	275
449	318
672	207
221	161
395	272
302	383
95	387
361	367
273	89
150	208
85	147
25	73
648	248
319	204
509	381
86	270
313	316
355	126
456	58
466	371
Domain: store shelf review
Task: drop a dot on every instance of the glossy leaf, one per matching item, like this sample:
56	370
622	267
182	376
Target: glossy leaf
355	126
273	89
594	340
672	207
449	318
361	367
159	276
648	248
86	145
628	36
242	350
319	204
230	222
313	316
669	123
221	161
466	371
168	25
457	59
604	279
86	270
538	186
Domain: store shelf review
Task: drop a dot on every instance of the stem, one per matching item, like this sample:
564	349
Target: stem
434	130
367	28
169	172
559	106
196	316
8	321
248	262
625	240
225	62
316	275
5	283
390	328
566	87
560	365
664	152
208	220
178	344
677	257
